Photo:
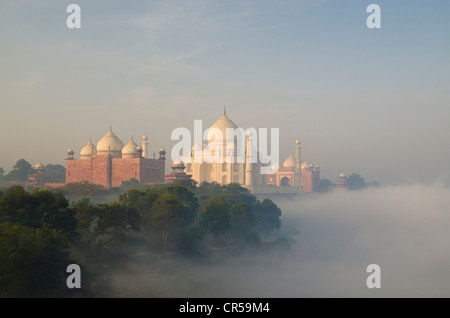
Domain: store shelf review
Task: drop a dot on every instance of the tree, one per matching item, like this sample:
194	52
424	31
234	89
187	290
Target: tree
21	170
38	209
2	174
55	173
33	261
167	212
267	215
101	223
132	183
356	182
216	217
325	185
242	218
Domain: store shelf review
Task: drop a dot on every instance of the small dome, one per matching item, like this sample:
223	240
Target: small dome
88	150
297	142
289	162
109	142
317	167
70	151
162	149
145	138
39	166
138	148
305	165
130	148
178	164
342	175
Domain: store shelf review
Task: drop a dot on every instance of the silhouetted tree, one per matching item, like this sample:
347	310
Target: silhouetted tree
21	170
242	218
38	209
167	212
2	174
216	217
356	182
33	261
55	173
325	185
267	215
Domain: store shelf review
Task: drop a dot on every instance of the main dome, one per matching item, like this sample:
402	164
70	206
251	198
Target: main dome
110	143
222	124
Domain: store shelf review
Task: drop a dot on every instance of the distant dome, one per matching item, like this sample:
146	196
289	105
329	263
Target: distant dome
110	144
178	164
289	162
162	149
297	142
130	148
70	151
342	175
145	138
39	166
88	150
305	165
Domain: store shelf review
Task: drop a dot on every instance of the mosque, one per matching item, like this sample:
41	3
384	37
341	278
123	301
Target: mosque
110	162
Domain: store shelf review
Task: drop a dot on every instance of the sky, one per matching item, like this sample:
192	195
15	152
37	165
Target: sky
368	101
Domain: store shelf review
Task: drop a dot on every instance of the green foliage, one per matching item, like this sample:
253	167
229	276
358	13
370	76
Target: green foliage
242	218
190	239
170	210
99	224
33	261
82	189
55	173
132	183
356	182
21	170
38	209
325	185
267	216
216	217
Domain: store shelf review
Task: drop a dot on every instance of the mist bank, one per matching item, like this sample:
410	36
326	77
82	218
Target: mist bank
403	229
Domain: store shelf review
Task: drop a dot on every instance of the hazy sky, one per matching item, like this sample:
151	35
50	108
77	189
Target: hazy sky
373	102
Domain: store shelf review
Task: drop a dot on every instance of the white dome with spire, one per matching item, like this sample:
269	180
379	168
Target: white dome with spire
222	124
110	143
289	162
89	150
129	151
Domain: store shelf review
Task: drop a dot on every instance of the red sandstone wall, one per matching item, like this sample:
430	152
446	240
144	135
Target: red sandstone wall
307	180
152	170
78	171
124	170
143	169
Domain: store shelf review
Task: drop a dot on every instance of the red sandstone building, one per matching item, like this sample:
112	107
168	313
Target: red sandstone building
177	173
110	162
284	177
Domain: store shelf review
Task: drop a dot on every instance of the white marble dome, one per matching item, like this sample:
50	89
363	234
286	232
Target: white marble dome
89	150
289	162
129	151
110	143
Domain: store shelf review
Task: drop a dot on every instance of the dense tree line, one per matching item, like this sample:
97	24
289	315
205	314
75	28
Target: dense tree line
41	231
55	173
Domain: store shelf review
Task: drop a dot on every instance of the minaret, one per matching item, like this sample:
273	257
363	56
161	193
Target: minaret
298	163
144	146
248	163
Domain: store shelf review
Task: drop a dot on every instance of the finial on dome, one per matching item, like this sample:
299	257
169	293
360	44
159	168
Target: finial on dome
110	127
224	110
